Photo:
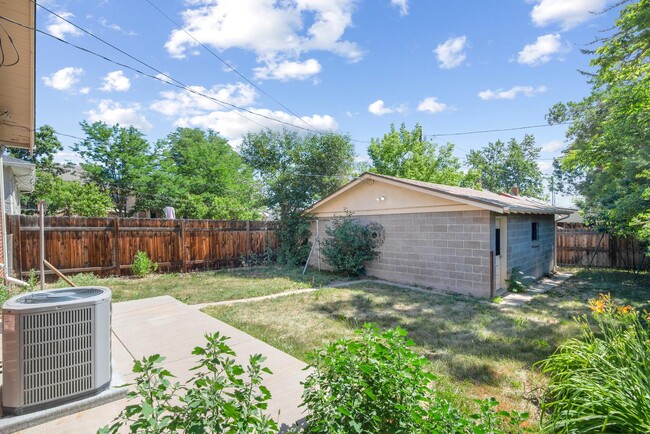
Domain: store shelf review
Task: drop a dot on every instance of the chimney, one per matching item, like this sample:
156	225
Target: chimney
515	190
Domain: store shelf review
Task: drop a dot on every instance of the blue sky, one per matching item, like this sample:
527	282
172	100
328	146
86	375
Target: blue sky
355	66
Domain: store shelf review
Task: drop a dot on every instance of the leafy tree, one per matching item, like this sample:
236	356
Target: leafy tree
200	174
407	154
297	170
501	166
607	160
71	198
116	158
46	146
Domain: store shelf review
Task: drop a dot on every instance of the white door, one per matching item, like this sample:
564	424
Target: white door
500	252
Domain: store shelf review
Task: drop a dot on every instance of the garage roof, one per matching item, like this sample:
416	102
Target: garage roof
502	203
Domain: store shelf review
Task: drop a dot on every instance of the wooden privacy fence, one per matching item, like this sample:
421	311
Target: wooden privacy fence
587	247
107	246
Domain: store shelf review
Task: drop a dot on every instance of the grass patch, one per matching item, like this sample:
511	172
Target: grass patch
476	347
209	286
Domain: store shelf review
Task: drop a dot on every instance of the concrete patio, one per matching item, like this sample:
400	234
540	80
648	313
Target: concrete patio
166	326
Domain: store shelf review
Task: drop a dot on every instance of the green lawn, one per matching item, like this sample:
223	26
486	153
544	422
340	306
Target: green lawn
476	347
208	286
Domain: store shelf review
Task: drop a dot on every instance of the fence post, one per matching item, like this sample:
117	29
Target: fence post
18	247
183	249
116	245
248	241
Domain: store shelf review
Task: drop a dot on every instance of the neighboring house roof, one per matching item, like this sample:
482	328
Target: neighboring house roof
73	173
502	203
24	173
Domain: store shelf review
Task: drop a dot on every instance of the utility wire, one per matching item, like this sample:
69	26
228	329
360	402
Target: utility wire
174	84
228	106
232	68
495	130
183	86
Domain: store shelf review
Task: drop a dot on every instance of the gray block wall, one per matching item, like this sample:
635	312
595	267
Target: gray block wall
448	251
532	258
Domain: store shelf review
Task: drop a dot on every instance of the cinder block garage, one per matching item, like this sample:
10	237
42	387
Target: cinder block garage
448	238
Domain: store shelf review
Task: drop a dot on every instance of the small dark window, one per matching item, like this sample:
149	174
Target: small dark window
497	247
534	236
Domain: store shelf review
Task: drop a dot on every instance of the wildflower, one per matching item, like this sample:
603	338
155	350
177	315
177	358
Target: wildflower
622	310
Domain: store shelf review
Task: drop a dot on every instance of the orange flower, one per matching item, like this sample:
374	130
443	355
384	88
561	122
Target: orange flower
624	309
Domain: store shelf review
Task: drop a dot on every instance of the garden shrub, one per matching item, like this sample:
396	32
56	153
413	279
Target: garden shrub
350	243
142	265
222	397
600	382
518	281
378	384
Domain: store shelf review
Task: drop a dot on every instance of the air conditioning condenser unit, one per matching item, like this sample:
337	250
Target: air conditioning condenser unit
56	347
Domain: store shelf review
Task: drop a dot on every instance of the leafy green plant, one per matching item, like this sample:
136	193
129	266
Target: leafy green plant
142	265
600	381
517	281
350	243
222	397
378	384
33	280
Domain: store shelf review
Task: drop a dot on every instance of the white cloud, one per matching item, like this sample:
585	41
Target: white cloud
113	112
63	79
84	90
104	22
542	50
553	146
116	81
378	108
451	53
60	28
233	125
403	6
568	13
288	70
277	31
185	103
511	93
545	166
431	105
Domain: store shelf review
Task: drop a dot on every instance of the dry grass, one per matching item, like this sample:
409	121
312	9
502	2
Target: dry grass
209	286
477	348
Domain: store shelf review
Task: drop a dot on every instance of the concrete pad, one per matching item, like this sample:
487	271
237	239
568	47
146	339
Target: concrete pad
165	326
539	287
45	420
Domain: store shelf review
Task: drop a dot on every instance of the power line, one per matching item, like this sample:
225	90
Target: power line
495	130
232	68
183	86
174	84
228	106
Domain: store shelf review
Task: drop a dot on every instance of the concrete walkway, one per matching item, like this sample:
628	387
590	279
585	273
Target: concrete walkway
164	325
517	299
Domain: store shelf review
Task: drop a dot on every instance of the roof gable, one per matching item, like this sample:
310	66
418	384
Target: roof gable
443	195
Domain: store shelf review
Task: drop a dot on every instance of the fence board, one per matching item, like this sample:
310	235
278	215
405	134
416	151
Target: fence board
586	247
108	246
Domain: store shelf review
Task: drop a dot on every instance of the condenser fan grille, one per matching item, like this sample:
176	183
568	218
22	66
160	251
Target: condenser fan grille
57	354
59	296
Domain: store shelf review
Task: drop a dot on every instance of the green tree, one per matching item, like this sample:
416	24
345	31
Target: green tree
408	154
46	146
607	160
500	166
71	198
297	170
199	174
117	159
